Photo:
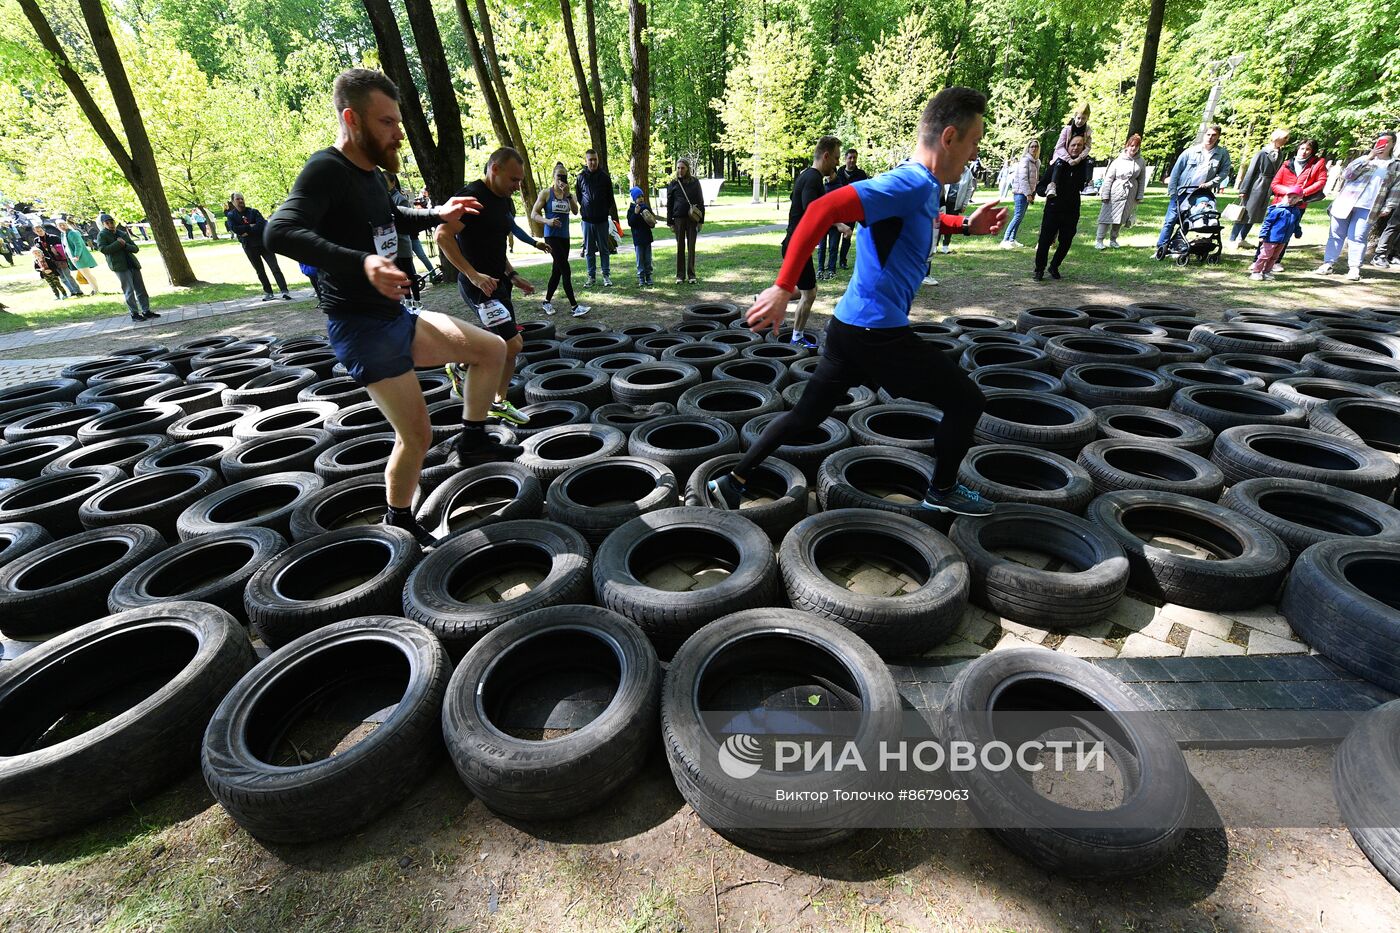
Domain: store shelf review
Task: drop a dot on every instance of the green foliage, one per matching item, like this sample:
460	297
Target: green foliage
767	114
898	76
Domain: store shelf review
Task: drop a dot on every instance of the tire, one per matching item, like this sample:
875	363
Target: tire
342	390
279	453
809	651
546	415
1148	308
86	370
615	362
43	408
190	653
1339	599
339	793
558	555
320	362
919	617
1268	369
53	500
1133	330
627	417
880	478
1001	338
145	419
357	456
64	584
191	399
1104	312
207	451
1303	513
1067	350
59	423
658	344
1373	422
346	503
1297	453
1023	379
215	422
729	401
589	386
1255	338
1308	392
645	329
670	617
233	375
129	371
1041	335
589	346
1048	422
805	451
549	454
28	459
263	502
537	351
1137	464
545	367
345	573
698	329
129	393
211	569
155	499
1156	425
772	373
122	452
527	779
857	397
649	383
19	538
910	425
229	353
1366	368
1174	350
1219	408
356	421
1051	317
1130	839
996	356
298	416
804	369
1013	473
703	356
1095	384
682	443
211	342
598	497
979	323
738	339
296	343
278	386
1365	774
1349	341
1246	561
492	492
776	493
1186	375
721	312
1176	325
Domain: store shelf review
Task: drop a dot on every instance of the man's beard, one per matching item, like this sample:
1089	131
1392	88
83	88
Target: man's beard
385	157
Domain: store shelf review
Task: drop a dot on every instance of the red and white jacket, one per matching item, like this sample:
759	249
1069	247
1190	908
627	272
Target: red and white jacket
1312	180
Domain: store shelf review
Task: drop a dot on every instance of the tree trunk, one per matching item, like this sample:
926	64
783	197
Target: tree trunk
592	113
1147	69
641	94
528	189
598	132
483	75
447	116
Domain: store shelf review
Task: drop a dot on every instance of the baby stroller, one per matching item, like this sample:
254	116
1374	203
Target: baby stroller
1197	232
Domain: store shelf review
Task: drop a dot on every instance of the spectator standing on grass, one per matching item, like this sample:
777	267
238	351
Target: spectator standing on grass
1206	165
7	241
120	250
552	209
641	220
183	217
1023	178
1280	221
56	256
78	254
1388	226
46	273
596	207
1308	171
1255	187
848	174
249	225
1124	187
1365	184
685	212
956	198
1060	221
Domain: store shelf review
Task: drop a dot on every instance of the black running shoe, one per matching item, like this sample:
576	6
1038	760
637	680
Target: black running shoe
958	501
490	452
726	490
410	524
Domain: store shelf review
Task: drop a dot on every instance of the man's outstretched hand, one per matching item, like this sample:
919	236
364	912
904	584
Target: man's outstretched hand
989	218
770	309
386	277
454	208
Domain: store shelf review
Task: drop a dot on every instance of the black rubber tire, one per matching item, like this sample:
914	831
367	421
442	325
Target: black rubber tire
1340	599
545	367
64	584
647	383
132	392
1001	338
644	329
721	312
668	617
772	373
28	459
1157	425
1138	464
1269	369
546	415
345	573
1085	347
43	408
19	538
357	456
558	553
1349	341
211	569
298	416
53	500
1175	350
122	452
346	503
857	397
996	356
86	370
1220	407
278	386
1136	836
880	478
1369	421
1249	560
780	485
1366	368
337	794
1048	422
805	451
1303	513
915	620
588	346
1013	473
210	342
1042	334
526	779
1308	392
1133	330
703	356
804	369
144	368
911	425
1255	338
979	323
233	375
1365	775
492	492
1051	317
805	654
263	502
597	497
549	454
356	421
729	401
293	451
1185	375
192	399
537	351
1149	308
320	362
537	330
144	419
239	350
1023	379
657	344
589	386
626	417
196	651
682	442
214	422
296	343
1105	312
729	337
1176	325
156	499
57	423
1096	384
1093	583
616	362
207	451
1297	453
342	390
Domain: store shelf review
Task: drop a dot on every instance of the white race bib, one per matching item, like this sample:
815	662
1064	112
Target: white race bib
386	241
492	313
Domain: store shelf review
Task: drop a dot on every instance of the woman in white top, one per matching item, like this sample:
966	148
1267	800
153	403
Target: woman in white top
1363	183
1124	187
1023	180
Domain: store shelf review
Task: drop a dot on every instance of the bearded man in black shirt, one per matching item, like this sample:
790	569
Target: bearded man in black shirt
339	218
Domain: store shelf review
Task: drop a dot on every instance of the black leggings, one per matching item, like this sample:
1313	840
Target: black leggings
559	249
897	360
1058	226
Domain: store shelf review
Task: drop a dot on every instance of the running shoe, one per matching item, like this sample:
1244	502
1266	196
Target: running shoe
548	308
607	280
1353	274
410	524
267	297
1324	269
803	340
493	451
503	410
726	490
457	375
580	310
930	280
957	501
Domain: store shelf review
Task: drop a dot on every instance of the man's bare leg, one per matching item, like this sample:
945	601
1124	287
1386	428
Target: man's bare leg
400	398
804	310
440	339
513	346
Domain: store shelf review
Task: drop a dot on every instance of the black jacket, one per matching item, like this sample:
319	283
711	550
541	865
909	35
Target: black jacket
678	205
844	178
249	226
595	196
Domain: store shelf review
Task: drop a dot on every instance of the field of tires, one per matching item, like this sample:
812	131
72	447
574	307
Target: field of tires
192	571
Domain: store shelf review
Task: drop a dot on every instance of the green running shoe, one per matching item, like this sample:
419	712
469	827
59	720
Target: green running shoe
505	411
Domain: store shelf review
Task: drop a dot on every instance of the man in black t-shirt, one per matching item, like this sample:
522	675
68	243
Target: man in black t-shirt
339	218
848	174
476	246
806	189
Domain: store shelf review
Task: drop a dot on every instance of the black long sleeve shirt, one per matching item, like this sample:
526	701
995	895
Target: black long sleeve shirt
335	216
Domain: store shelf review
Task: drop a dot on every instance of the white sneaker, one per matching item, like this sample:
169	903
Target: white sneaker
607	282
1098	244
1395	263
1268	276
1256	276
547	307
930	280
1324	269
1353	274
1114	244
1277	267
1018	244
580	310
1006	244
